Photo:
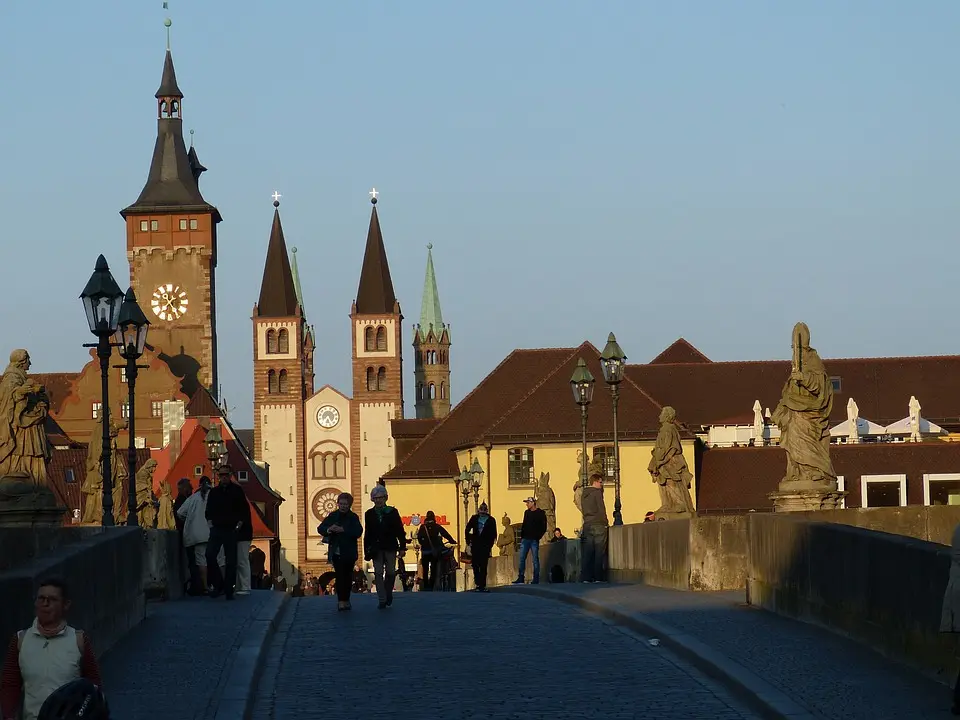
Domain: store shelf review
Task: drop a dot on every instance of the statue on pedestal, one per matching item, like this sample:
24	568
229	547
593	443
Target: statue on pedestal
507	542
146	510
165	519
668	468
92	487
118	468
547	501
583	464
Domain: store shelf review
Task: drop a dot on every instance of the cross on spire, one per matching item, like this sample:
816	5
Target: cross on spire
373	196
276	198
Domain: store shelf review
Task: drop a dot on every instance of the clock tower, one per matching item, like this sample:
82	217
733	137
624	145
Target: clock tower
172	248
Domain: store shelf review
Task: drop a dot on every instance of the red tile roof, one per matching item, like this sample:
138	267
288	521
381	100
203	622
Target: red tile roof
202	404
412	427
680	352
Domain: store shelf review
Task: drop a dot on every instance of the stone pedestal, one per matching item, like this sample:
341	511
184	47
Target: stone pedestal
673	515
32	517
798	496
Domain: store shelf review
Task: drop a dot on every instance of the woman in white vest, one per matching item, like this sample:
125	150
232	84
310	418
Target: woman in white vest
45	656
196	529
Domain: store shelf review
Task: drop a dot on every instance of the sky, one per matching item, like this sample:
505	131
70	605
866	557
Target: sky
712	170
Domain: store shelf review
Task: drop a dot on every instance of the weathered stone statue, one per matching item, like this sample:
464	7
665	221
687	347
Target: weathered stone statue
165	519
583	462
668	468
146	510
92	487
803	416
547	501
118	468
23	412
507	541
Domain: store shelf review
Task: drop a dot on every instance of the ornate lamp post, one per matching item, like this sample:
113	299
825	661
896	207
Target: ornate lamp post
216	447
131	339
581	382
613	362
466	483
102	299
476	472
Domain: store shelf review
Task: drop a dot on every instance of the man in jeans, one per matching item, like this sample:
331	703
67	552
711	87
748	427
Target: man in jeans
533	528
593	534
227	508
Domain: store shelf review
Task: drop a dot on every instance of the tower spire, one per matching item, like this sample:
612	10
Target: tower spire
296	276
375	294
278	295
431	318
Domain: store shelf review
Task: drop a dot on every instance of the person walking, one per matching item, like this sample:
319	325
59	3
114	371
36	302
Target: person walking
384	541
480	536
184	491
533	528
593	534
341	530
430	537
196	532
47	655
226	509
244	538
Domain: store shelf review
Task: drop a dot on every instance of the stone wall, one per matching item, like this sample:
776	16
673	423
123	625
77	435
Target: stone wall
881	589
933	523
20	545
104	569
503	569
163	566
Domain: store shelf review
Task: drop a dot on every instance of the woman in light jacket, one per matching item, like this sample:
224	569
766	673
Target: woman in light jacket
196	529
950	614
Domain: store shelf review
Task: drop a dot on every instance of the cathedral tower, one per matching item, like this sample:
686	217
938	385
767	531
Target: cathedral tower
280	359
172	248
431	351
377	365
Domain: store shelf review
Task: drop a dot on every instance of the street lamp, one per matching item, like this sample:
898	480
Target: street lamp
582	385
131	339
216	447
476	471
466	483
102	299
613	362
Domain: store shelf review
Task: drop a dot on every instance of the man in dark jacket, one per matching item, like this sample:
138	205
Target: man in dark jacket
227	509
533	528
593	534
481	534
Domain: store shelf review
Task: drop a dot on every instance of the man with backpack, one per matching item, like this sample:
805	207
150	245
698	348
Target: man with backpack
45	656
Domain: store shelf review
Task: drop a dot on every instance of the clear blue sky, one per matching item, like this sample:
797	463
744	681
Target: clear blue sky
716	170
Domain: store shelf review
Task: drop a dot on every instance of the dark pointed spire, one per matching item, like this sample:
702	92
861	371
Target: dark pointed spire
168	81
196	167
278	293
375	295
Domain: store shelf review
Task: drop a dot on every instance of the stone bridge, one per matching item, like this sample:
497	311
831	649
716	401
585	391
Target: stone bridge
799	638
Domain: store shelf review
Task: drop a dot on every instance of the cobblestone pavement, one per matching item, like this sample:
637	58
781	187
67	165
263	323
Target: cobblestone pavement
830	675
466	655
173	666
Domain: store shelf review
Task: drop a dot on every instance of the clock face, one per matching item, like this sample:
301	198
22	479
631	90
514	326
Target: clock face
169	302
324	503
328	417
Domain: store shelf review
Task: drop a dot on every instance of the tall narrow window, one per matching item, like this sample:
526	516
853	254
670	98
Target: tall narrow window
382	379
369	343
271	340
283	341
443	391
419	391
272	381
282	381
433	391
340	465
520	466
381	338
371	379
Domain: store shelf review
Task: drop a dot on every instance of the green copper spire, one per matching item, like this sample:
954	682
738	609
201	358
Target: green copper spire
296	278
430	314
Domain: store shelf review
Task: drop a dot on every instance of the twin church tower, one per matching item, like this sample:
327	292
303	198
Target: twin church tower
317	442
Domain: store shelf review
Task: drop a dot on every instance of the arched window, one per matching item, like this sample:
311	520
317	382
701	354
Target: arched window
340	465
283	341
282	384
419	391
271	381
317	463
329	465
371	379
369	343
433	391
381	338
382	379
443	391
271	341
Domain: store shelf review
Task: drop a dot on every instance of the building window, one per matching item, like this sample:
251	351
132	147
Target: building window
290	463
381	339
154	225
289	437
123	374
193	224
382	379
183	224
282	384
291	518
420	395
329	466
842	487
837	385
95	410
198	470
271	382
941	489
364	461
144	226
364	436
371	379
156	408
520	466
68	476
283	341
271	341
242	475
125	410
369	343
443	391
604	454
433	391
883	490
